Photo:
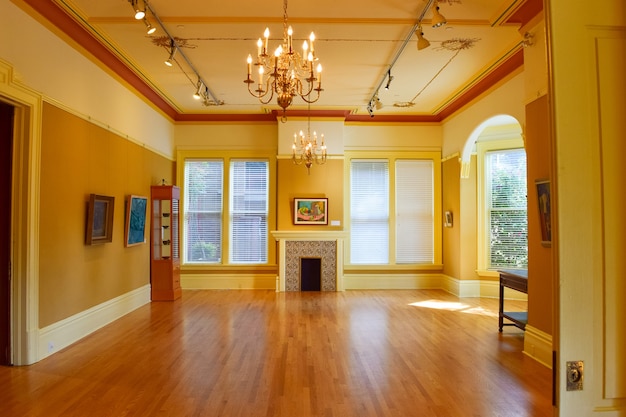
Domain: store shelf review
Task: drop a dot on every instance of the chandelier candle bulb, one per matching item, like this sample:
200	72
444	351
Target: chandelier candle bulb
259	44
249	60
312	38
290	39
266	35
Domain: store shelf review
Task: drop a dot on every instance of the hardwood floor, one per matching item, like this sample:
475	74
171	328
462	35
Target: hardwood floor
260	353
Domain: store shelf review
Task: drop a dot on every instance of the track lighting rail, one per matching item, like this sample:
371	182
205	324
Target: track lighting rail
210	98
374	98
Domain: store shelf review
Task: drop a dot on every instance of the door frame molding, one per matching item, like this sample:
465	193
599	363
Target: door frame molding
25	215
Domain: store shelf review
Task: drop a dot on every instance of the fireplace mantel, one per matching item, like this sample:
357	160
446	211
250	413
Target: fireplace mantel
308	235
303	236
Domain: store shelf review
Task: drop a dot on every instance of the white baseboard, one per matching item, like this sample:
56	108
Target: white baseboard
67	331
228	282
461	288
538	345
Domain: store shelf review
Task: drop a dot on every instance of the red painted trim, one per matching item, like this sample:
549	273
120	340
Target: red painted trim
316	113
393	118
225	117
507	67
526	12
60	19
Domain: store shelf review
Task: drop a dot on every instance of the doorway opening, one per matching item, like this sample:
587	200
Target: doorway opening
6	157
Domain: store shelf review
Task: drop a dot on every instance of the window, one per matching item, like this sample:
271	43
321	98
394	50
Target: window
506	208
369	212
203	211
409	194
414	211
248	211
247	197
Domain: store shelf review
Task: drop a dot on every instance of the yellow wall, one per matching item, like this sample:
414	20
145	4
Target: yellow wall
467	223
451	202
79	158
540	270
325	181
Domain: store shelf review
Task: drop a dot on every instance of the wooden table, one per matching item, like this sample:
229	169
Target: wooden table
516	279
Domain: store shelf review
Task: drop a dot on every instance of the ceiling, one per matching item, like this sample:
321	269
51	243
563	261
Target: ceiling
359	43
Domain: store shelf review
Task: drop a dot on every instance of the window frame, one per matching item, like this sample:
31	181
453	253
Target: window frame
392	157
226	157
483	229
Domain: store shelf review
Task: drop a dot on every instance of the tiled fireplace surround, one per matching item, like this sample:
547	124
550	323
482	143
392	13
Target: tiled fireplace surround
294	245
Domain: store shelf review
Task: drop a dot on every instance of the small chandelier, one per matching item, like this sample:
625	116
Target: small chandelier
289	73
305	150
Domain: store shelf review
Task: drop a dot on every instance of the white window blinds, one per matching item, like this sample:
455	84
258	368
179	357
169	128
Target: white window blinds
248	211
369	212
414	211
203	211
505	175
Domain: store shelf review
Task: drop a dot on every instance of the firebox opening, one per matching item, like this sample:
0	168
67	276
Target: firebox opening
310	274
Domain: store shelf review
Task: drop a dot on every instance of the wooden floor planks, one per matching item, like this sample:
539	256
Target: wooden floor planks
260	353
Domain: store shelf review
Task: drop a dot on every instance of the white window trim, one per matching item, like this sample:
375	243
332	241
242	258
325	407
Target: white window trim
391	156
227	156
481	222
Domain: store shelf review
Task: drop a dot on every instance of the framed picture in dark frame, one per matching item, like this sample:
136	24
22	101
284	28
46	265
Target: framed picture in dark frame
447	221
135	230
99	219
545	211
310	211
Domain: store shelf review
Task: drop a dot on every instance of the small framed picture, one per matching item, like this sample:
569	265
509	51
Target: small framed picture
310	211
99	219
135	230
545	211
447	220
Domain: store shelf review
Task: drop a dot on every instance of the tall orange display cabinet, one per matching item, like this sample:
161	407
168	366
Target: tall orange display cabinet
165	243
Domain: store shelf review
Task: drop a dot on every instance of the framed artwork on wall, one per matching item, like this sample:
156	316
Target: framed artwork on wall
447	220
310	211
545	211
135	230
99	219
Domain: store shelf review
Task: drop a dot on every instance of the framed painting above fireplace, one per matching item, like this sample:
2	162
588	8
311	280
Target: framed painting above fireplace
310	211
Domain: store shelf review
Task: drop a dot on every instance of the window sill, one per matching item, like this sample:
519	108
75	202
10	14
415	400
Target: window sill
231	269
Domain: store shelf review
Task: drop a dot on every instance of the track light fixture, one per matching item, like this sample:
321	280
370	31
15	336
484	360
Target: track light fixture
197	95
378	104
149	28
389	79
139	12
438	19
370	108
170	61
202	91
422	42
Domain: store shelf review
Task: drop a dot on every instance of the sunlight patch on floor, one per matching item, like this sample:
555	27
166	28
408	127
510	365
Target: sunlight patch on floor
454	306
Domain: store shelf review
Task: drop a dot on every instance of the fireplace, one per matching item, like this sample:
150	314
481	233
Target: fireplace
296	247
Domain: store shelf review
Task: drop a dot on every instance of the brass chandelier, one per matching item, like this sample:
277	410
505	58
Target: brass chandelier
305	149
289	74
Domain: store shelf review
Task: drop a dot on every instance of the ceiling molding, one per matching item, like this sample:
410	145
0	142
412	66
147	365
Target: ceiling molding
70	28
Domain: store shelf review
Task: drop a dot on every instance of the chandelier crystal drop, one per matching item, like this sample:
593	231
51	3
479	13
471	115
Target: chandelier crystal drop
289	74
